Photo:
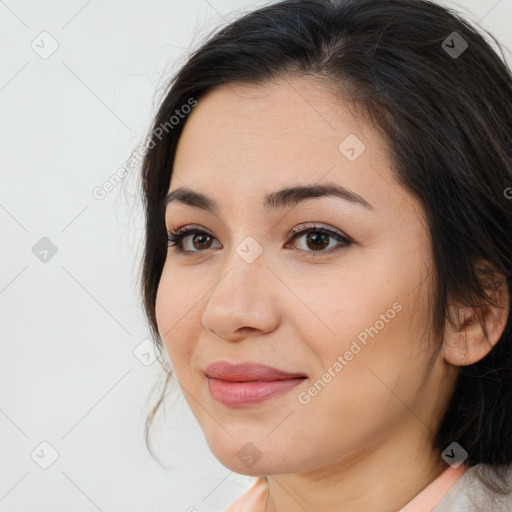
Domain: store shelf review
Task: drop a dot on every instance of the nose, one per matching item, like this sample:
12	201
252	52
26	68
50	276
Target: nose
242	302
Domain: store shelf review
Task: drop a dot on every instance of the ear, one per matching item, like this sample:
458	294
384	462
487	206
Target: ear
477	329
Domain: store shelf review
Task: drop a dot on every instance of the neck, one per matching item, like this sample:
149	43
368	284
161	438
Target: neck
378	480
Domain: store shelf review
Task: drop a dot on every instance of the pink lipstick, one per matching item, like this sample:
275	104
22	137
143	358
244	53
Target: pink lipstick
236	385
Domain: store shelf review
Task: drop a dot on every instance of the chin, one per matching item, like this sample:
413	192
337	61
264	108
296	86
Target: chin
242	456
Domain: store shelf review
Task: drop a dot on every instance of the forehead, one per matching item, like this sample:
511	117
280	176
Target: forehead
254	139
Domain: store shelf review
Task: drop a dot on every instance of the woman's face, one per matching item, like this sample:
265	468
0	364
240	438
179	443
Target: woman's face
350	318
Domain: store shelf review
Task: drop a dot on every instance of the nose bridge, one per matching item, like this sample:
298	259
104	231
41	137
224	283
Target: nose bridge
241	296
244	273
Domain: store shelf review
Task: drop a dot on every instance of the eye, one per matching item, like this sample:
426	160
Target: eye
200	240
316	238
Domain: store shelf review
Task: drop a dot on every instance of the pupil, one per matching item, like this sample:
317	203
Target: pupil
198	236
314	238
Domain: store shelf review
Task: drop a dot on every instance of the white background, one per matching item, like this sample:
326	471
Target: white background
69	325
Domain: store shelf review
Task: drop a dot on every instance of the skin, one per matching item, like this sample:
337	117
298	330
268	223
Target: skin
365	439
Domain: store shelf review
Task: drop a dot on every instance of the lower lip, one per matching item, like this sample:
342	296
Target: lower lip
236	394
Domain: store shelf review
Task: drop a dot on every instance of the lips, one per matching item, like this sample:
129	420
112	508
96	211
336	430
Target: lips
237	385
246	372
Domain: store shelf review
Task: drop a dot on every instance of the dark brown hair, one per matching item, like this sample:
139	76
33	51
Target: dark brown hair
442	103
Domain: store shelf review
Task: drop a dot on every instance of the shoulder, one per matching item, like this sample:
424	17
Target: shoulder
253	500
471	494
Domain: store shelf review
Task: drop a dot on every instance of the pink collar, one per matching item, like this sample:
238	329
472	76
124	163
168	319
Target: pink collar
432	495
254	499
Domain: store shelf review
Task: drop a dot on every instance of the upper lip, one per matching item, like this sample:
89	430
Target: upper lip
244	372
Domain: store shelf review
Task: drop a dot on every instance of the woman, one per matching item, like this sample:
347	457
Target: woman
328	259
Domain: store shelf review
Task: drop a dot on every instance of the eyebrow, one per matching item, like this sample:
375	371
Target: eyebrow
286	197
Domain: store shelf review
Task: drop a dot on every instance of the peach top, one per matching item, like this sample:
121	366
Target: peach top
432	495
254	499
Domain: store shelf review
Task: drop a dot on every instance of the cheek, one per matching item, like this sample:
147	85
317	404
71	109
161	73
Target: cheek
345	313
174	320
164	304
361	388
369	330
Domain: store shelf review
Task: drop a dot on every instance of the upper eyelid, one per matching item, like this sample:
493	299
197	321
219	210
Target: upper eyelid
304	226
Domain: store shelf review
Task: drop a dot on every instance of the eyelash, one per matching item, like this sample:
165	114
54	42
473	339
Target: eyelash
175	238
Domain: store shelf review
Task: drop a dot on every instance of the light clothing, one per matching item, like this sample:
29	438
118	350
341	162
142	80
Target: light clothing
428	499
470	494
253	500
455	490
